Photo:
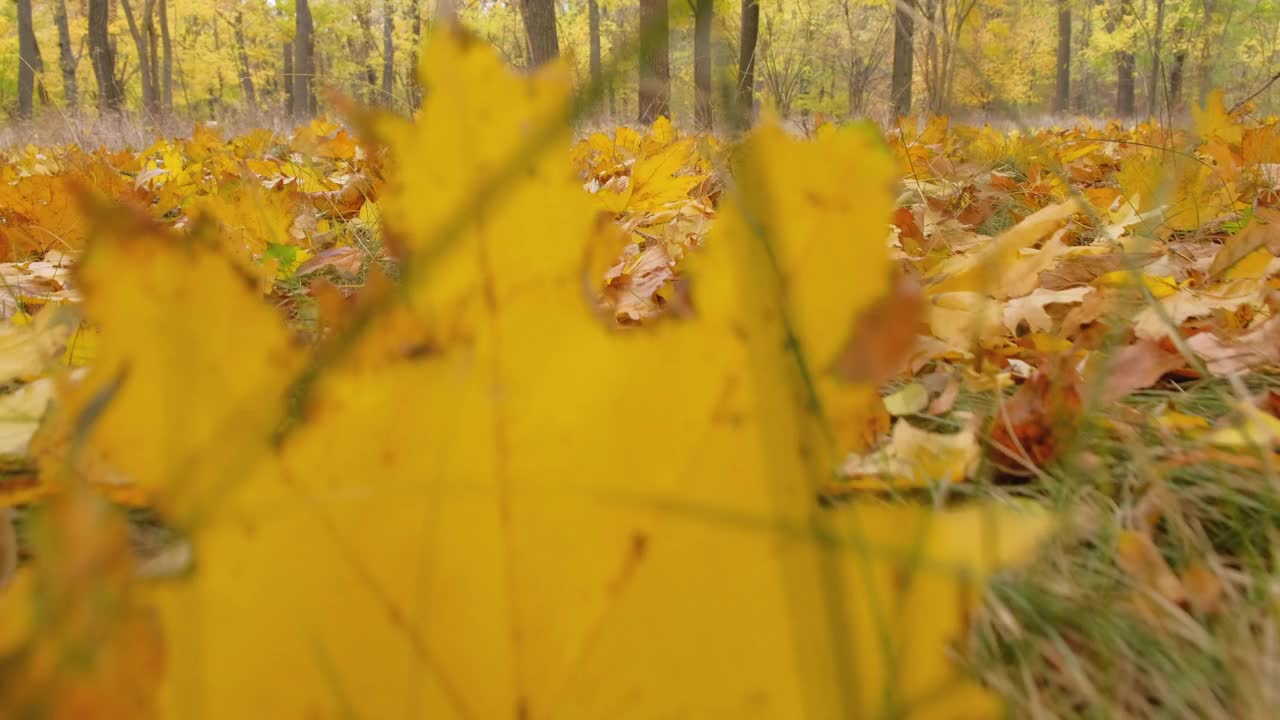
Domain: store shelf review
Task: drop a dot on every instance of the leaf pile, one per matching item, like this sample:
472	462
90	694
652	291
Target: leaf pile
470	494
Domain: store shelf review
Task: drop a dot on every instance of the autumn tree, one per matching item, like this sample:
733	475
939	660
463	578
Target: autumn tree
1062	70
655	65
540	31
66	58
903	56
166	63
702	62
102	57
27	59
304	61
388	53
747	59
247	91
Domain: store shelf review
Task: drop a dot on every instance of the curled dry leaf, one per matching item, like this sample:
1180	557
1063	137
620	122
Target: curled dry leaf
1039	421
1136	367
346	260
884	335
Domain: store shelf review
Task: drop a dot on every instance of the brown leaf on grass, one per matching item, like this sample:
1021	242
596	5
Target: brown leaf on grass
909	232
1149	573
346	260
1203	588
1259	346
884	335
1263	231
345	202
1076	270
1039	421
1137	366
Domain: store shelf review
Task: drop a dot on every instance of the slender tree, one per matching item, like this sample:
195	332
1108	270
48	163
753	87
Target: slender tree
26	60
540	31
1062	84
289	81
655	65
702	18
388	53
166	64
593	42
102	55
248	95
903	57
750	34
304	61
144	57
1153	81
66	59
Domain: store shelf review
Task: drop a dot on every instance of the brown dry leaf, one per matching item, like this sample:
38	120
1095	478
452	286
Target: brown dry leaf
346	260
1031	309
1136	367
1138	556
884	335
1039	421
1259	346
1204	588
946	399
633	287
1082	269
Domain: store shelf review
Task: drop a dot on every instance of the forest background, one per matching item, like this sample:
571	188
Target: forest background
809	59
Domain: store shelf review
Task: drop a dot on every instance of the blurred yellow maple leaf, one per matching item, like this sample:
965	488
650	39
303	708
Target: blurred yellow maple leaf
537	515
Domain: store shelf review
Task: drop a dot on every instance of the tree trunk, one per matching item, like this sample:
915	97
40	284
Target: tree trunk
388	54
1153	82
103	57
153	51
903	60
747	60
247	94
289	104
1125	106
166	65
66	59
703	15
304	61
363	52
415	30
144	61
655	69
540	31
1177	75
1062	86
593	41
26	60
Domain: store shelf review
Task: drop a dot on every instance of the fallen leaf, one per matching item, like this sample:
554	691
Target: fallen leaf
909	400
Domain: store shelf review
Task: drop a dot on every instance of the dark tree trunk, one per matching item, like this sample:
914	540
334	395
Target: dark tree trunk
288	79
26	60
903	59
110	95
1062	86
247	93
702	63
1177	77
655	67
1153	82
593	41
540	31
388	53
747	60
166	64
415	28
1125	106
66	59
152	36
144	58
304	61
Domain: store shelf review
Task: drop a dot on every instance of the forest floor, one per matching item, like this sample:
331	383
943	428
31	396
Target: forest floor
1085	319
